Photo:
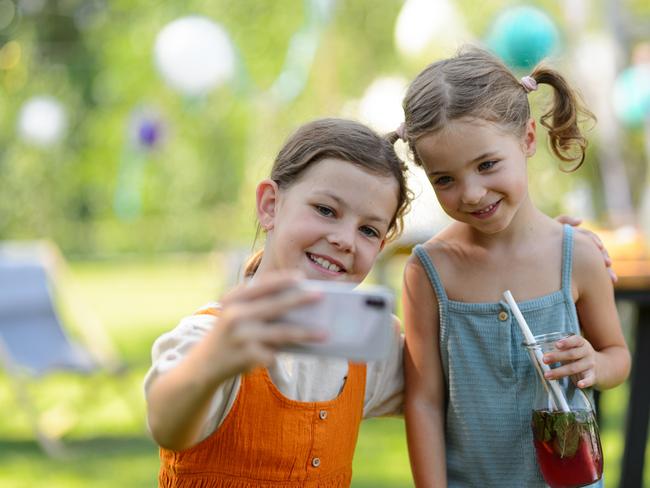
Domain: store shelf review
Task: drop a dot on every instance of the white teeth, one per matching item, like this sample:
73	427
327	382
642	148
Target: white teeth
325	263
486	210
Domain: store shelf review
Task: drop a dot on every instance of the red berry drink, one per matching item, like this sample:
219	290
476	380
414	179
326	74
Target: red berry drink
568	447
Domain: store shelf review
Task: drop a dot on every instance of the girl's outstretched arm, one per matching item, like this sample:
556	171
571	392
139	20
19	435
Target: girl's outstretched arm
600	357
178	401
424	405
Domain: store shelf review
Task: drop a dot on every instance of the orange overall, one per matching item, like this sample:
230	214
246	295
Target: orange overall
270	441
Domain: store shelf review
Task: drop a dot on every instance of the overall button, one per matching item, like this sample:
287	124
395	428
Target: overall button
503	316
322	414
315	462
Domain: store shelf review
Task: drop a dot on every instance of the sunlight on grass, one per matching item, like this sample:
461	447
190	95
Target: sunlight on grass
138	300
102	462
381	459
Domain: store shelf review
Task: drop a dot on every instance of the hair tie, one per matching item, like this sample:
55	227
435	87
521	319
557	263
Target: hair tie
401	131
529	83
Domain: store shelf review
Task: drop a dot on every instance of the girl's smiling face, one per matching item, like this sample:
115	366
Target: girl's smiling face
331	223
478	171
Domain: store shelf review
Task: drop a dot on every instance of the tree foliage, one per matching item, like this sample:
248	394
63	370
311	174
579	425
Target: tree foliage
194	189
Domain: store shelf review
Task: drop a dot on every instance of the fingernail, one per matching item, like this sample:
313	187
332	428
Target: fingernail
547	374
559	344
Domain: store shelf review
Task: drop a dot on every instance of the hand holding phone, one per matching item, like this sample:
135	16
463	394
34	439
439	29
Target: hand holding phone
358	322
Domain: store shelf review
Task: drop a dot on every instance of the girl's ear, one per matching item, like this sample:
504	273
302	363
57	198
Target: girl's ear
267	200
530	138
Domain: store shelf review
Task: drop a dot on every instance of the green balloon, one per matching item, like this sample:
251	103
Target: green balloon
632	94
522	37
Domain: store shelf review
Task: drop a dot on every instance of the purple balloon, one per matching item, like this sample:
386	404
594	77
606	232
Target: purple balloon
149	132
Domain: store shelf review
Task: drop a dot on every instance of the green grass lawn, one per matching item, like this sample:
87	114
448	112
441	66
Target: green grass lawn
103	415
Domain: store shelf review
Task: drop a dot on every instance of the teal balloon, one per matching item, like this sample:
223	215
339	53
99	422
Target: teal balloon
522	37
632	95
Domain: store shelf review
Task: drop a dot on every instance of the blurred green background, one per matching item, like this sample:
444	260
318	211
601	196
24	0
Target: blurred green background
144	177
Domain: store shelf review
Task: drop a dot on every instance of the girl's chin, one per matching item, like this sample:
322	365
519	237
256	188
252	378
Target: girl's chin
486	227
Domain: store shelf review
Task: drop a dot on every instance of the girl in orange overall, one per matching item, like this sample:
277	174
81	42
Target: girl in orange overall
226	408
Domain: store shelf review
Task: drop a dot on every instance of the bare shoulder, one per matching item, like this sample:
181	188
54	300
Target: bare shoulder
417	284
588	263
420	307
448	251
586	253
414	272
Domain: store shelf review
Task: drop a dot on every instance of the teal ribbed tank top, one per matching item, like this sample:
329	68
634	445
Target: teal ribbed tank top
491	381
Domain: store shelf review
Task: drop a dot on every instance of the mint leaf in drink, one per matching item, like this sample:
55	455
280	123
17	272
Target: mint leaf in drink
542	423
567	434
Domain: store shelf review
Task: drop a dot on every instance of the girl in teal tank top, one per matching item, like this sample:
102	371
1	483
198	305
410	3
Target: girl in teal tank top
492	415
469	381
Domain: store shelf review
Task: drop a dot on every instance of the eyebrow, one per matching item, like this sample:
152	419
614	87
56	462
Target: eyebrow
485	155
372	218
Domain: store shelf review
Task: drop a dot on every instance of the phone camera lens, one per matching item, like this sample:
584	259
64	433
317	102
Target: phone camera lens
376	302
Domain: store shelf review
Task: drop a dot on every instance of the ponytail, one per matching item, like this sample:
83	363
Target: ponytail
561	120
392	137
253	263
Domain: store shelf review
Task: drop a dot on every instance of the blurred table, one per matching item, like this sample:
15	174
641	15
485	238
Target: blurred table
634	285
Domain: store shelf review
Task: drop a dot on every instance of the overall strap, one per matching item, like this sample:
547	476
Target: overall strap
433	275
436	283
567	261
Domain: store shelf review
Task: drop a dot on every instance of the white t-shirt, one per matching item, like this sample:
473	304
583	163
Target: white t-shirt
298	377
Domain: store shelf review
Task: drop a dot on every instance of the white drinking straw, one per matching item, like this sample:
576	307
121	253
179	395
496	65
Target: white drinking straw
530	341
549	394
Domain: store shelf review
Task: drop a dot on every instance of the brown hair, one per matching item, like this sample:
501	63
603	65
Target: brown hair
345	140
475	84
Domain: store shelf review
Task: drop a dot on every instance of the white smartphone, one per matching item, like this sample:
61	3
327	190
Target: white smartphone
359	322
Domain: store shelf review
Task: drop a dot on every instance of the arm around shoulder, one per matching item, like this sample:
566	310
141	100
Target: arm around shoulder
424	405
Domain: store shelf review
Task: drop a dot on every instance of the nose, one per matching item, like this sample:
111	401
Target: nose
472	193
343	238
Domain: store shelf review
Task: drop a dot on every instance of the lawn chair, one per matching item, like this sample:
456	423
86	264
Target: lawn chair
32	339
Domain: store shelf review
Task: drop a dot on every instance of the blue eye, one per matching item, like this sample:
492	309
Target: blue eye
485	165
324	210
442	181
369	231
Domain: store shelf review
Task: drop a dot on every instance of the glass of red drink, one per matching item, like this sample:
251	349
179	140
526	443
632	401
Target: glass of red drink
567	443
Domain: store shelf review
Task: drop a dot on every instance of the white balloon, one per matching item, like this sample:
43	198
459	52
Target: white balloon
422	23
381	104
194	55
42	121
426	217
